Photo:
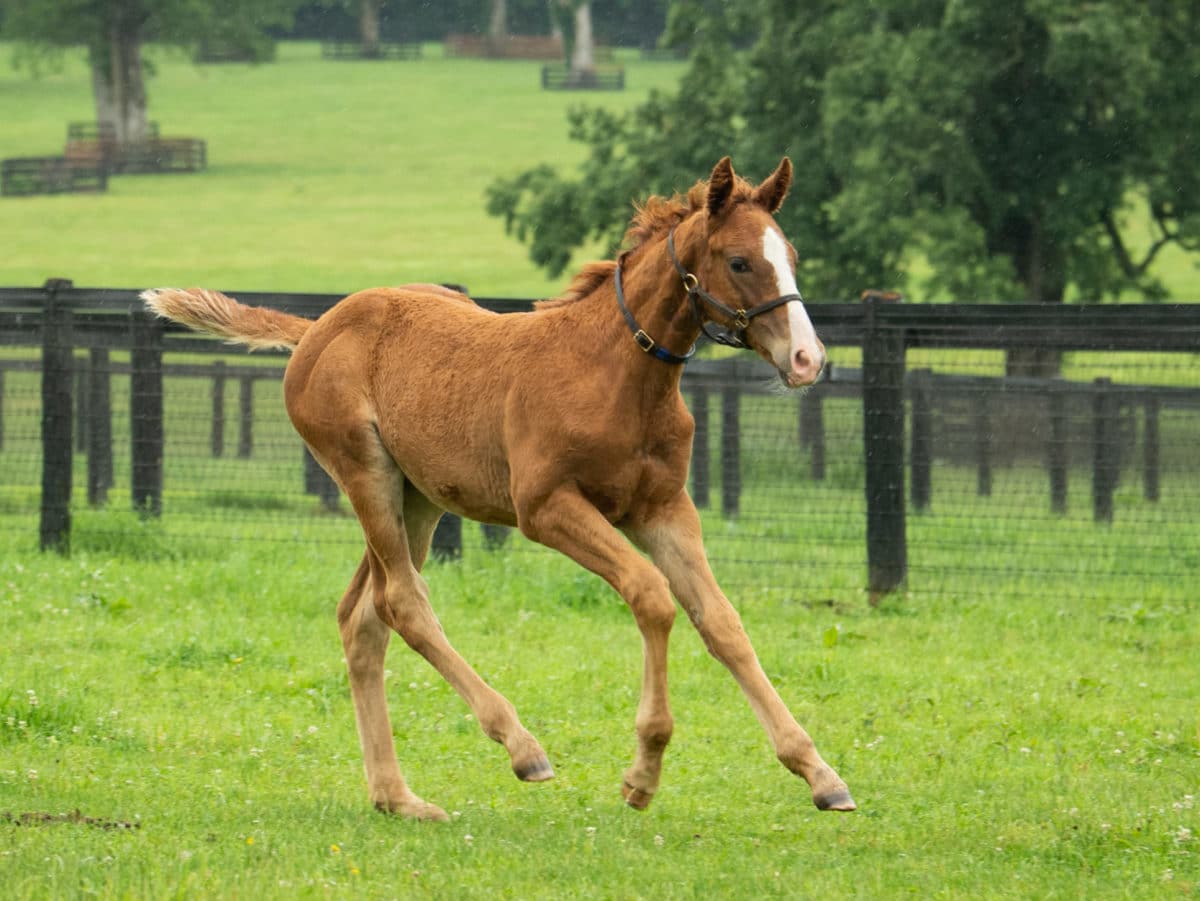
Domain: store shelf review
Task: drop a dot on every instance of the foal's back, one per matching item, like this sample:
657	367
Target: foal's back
452	391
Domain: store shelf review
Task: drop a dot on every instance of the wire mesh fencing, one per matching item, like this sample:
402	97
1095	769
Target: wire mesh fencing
940	457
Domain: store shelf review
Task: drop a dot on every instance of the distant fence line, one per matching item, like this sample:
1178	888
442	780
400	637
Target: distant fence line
899	406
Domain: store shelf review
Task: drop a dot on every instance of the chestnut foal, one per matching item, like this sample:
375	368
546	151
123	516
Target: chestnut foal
566	422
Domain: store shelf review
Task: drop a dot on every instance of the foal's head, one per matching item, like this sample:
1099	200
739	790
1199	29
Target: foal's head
740	258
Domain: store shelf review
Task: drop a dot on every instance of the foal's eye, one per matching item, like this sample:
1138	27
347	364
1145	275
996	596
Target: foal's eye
739	265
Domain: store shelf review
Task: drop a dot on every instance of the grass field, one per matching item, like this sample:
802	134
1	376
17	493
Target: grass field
322	176
175	720
997	746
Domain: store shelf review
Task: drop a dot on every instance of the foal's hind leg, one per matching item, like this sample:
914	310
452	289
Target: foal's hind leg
496	716
396	597
675	545
365	639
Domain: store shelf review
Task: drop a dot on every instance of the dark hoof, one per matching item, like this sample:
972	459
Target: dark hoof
536	771
840	801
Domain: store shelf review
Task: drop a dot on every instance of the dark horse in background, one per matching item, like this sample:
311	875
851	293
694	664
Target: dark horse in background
566	422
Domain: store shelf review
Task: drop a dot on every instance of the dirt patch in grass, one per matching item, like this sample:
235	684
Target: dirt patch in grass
37	818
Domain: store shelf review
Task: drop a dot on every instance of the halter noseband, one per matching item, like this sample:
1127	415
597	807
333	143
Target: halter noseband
730	336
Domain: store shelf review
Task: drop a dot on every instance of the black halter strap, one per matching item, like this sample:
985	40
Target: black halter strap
644	341
733	335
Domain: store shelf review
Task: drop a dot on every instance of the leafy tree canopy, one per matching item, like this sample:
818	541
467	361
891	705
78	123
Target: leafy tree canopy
45	24
1003	141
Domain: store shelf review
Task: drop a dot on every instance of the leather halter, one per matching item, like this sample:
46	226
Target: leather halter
644	341
733	335
730	335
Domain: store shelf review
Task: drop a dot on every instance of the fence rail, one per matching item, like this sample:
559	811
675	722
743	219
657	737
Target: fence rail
911	418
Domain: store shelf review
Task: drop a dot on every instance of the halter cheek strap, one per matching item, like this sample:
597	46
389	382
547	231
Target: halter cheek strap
644	341
733	335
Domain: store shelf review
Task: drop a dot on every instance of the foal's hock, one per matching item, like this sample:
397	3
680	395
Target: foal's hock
417	401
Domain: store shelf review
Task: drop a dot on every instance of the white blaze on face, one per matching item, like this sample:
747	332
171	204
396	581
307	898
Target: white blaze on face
803	335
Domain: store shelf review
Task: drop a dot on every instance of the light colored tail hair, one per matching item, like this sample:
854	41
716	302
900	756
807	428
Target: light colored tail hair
212	311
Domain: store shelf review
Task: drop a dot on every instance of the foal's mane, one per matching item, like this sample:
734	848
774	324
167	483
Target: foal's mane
657	216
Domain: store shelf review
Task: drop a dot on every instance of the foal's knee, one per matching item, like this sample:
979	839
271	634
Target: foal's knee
649	598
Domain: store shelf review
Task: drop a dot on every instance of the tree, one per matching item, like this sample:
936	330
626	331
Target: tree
1002	141
113	31
574	21
368	26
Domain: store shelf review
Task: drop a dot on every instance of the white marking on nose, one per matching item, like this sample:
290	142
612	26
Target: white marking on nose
803	335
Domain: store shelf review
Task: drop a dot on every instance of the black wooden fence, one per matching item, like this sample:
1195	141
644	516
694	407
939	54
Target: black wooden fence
909	416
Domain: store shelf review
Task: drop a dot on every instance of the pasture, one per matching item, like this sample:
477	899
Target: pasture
322	176
997	746
174	711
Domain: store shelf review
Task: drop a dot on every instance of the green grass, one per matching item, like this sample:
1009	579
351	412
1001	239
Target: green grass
997	745
322	176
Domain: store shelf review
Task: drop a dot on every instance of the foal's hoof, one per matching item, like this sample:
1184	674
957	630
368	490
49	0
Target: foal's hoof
538	770
413	809
636	798
829	792
838	800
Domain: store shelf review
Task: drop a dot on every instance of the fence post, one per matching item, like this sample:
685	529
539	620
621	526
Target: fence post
1106	450
81	367
246	417
146	414
447	538
317	481
1058	451
731	451
99	428
921	439
1150	448
218	408
494	537
983	448
54	532
883	437
812	429
700	459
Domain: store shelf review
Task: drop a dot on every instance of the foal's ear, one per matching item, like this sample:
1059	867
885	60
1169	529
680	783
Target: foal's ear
771	192
720	186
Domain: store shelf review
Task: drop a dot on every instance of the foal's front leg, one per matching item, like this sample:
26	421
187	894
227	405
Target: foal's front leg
674	543
567	522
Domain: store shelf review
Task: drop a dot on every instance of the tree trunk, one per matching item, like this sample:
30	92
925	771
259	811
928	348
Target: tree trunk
117	85
102	92
498	24
1040	268
583	57
368	27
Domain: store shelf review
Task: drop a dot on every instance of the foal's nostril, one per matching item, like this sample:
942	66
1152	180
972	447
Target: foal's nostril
806	366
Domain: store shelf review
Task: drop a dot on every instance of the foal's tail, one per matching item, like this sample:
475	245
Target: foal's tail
212	311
